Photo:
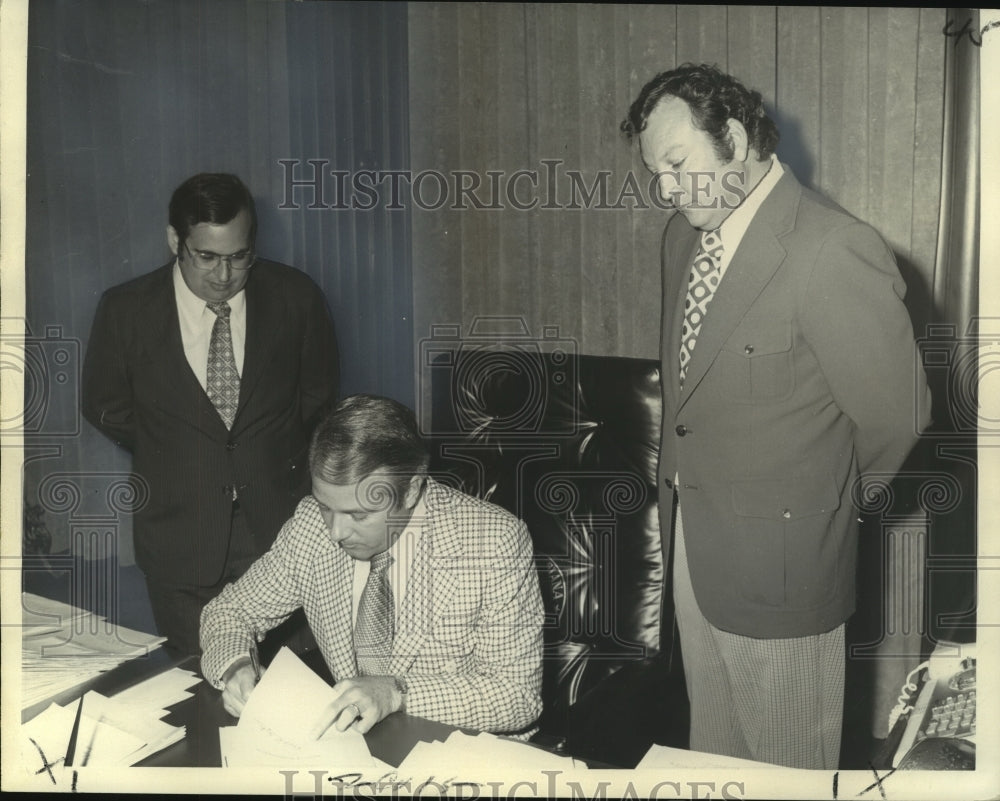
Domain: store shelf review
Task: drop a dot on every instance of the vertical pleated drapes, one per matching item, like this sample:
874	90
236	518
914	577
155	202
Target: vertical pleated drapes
127	99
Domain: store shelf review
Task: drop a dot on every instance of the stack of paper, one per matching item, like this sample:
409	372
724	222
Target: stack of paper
111	733
63	646
279	721
663	757
482	757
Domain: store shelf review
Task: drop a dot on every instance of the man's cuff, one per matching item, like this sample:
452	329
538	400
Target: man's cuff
227	672
403	689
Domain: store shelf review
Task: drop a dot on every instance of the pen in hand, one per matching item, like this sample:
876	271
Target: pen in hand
255	663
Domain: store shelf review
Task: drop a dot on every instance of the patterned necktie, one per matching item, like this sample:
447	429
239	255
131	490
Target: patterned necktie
702	283
223	381
374	628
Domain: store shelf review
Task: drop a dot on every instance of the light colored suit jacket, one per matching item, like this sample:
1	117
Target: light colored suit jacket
805	376
469	633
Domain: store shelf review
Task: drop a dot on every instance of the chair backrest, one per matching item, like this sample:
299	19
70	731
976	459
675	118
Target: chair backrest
569	444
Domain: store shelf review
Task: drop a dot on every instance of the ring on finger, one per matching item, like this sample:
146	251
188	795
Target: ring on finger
357	711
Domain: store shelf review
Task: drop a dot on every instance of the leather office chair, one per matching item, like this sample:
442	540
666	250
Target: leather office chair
569	444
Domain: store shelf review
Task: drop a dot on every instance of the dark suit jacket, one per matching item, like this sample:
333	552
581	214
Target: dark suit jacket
139	389
804	377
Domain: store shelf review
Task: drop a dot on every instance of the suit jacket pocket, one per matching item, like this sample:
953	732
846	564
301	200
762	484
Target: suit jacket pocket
785	540
756	366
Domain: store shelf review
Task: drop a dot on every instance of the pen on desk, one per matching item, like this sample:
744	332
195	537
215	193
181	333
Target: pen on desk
73	736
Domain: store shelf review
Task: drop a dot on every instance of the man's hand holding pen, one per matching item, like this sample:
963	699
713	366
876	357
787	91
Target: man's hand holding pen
239	681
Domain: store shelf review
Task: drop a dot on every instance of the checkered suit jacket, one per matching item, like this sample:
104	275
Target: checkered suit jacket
468	636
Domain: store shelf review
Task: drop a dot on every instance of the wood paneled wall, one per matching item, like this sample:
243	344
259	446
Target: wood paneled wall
857	93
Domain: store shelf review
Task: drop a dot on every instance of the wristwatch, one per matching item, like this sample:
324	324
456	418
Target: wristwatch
400	683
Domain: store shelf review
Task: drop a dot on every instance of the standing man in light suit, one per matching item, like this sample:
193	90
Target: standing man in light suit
212	371
789	374
421	598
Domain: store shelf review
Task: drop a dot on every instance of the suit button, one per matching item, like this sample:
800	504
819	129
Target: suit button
787	514
681	430
748	350
230	446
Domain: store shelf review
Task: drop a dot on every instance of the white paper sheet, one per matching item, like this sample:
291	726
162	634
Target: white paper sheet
63	646
661	756
480	758
110	733
284	708
160	691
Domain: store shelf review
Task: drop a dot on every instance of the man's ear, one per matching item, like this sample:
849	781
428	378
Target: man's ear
413	490
741	141
173	240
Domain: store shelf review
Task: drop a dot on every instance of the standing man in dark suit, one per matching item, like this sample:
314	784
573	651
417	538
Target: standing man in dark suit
212	371
789	377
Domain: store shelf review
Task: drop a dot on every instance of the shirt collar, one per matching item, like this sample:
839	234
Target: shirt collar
733	228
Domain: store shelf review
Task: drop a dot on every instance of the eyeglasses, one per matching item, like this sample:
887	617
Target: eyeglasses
208	261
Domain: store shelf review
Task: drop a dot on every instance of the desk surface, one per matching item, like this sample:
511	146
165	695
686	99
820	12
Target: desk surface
203	715
390	740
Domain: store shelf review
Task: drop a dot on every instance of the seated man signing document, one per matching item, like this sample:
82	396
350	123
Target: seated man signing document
421	598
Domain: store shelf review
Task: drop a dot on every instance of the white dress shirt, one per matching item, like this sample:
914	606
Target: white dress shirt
197	320
402	552
733	228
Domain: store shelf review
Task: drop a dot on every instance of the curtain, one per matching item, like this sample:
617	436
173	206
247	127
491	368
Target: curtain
125	101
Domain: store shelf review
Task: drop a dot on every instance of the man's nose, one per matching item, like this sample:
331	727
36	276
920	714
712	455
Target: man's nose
669	185
338	528
225	268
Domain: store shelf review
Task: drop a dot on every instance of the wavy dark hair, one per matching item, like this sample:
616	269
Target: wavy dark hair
210	197
713	98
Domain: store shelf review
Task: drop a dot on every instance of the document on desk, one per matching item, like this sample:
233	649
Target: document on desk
480	757
274	728
63	646
160	691
41	615
110	733
663	757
